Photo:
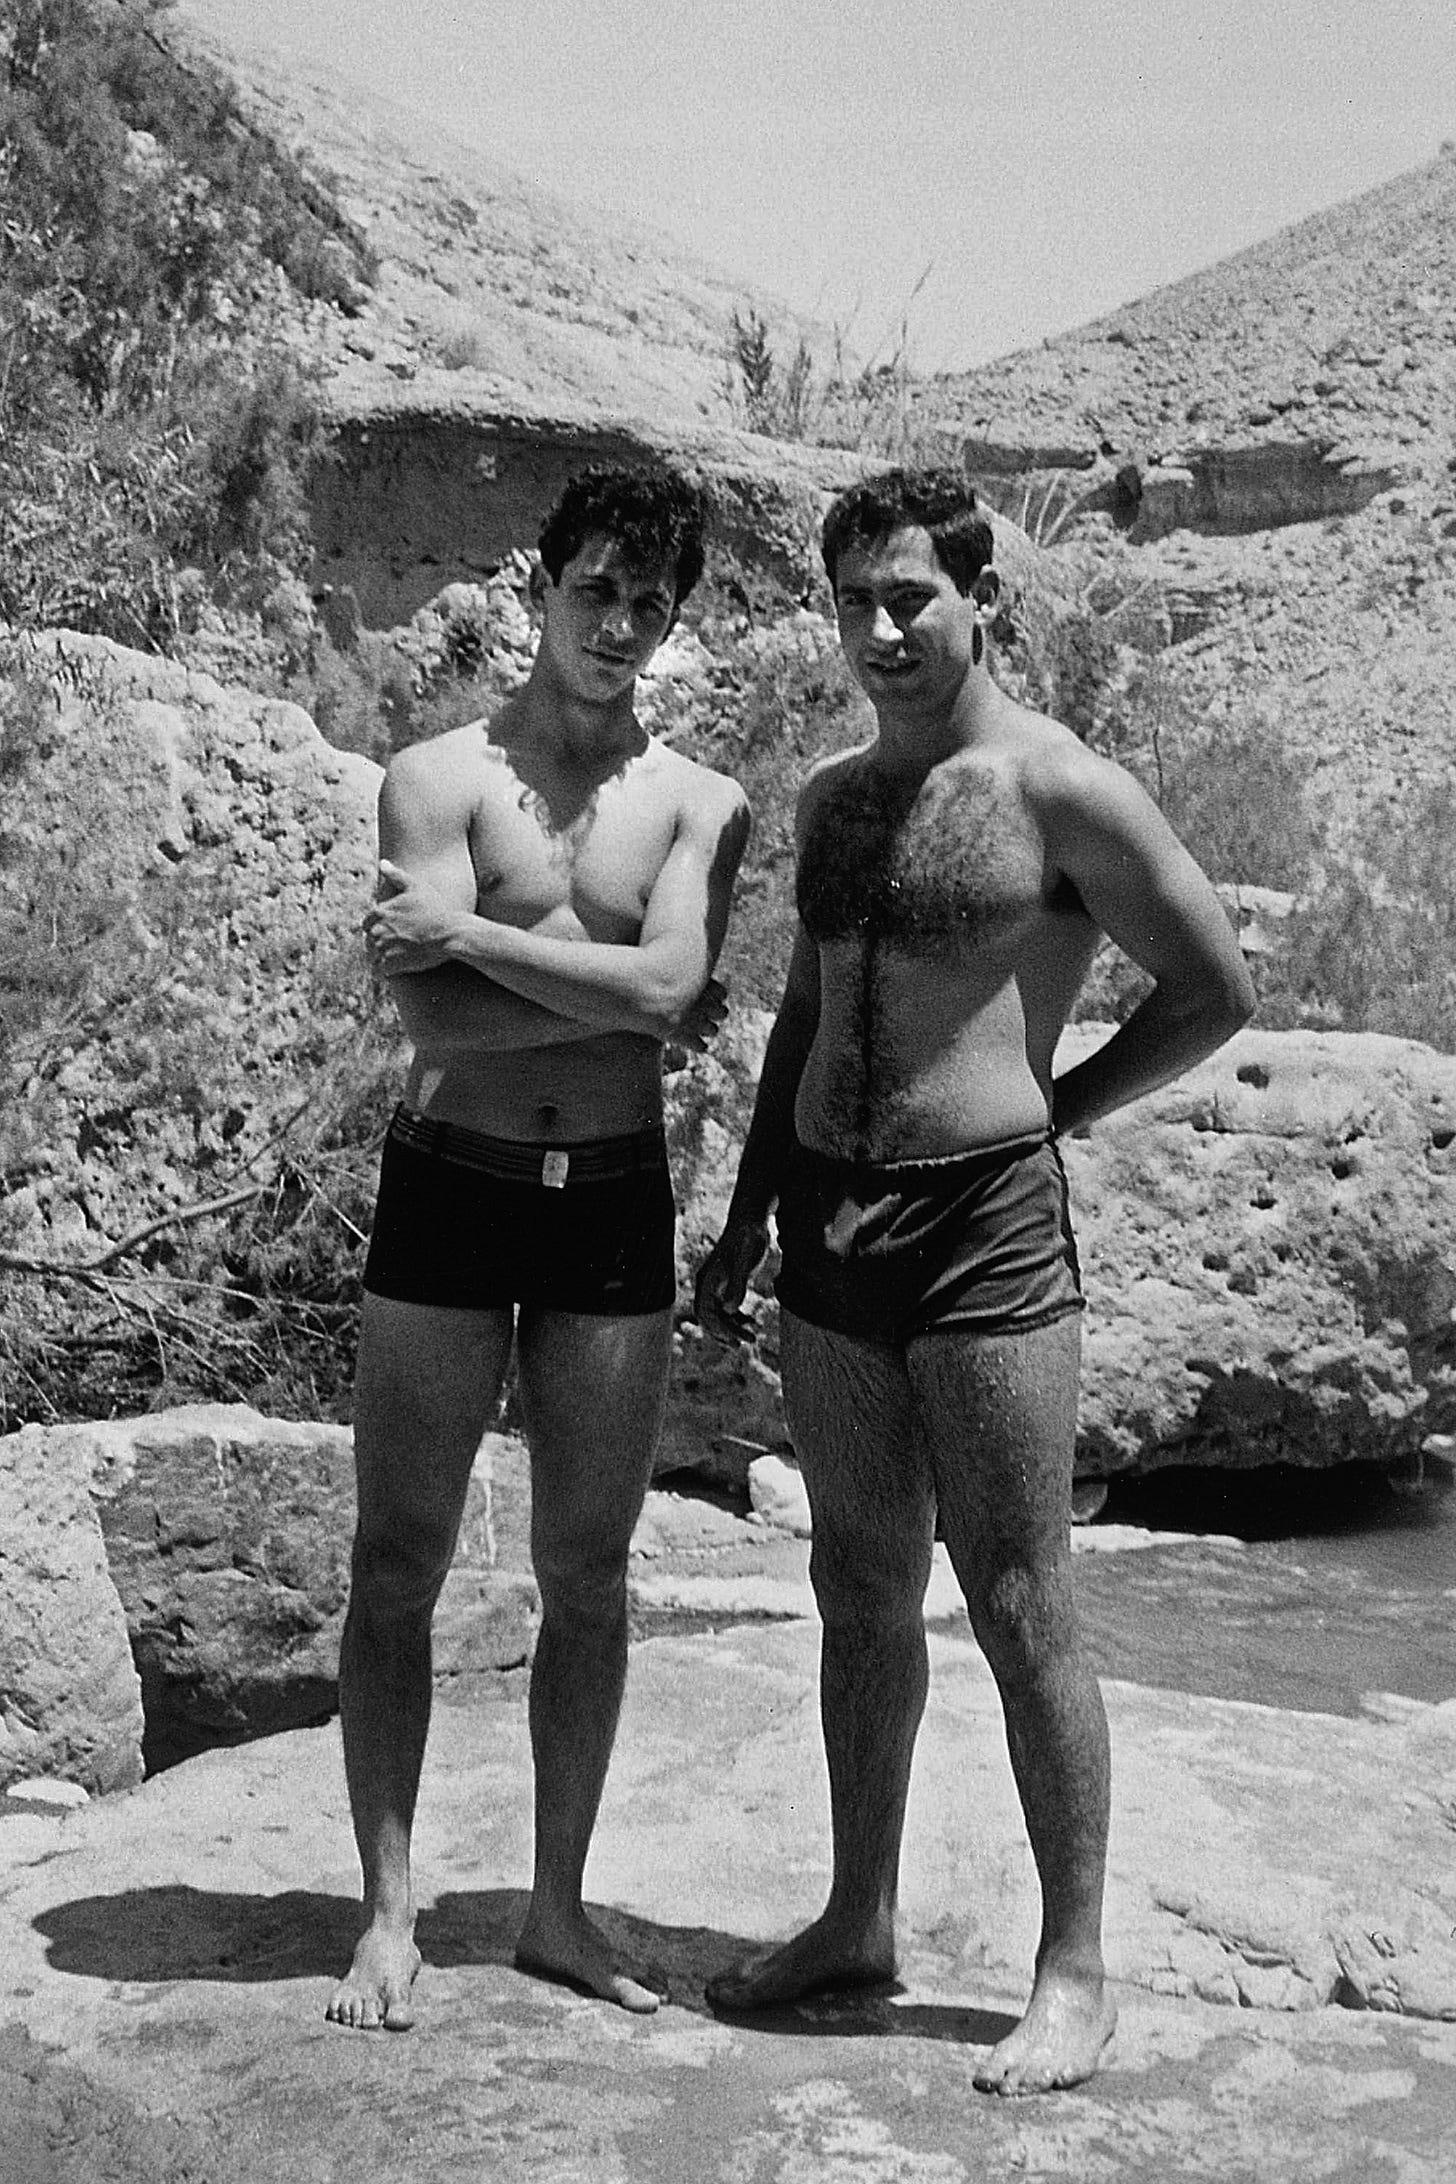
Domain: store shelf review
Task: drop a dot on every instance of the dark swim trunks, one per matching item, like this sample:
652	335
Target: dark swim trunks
470	1220
979	1241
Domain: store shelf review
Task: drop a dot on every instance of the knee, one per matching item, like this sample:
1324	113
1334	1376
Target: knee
859	1588
581	1581
397	1571
1024	1621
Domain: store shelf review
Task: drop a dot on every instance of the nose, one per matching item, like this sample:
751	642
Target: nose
617	620
884	629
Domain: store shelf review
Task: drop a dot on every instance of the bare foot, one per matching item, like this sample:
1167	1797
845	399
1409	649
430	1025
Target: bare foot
375	1991
1064	2035
827	1957
577	1954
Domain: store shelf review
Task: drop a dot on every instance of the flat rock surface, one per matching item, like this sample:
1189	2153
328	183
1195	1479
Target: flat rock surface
172	1950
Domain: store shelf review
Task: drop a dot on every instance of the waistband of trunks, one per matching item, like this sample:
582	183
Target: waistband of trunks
934	1167
593	1160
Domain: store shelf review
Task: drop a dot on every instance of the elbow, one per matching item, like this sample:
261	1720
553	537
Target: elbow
1228	1007
661	1011
1217	1005
1240	999
664	998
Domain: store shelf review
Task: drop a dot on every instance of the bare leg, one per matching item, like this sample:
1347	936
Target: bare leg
853	1425
427	1384
592	1389
1000	1419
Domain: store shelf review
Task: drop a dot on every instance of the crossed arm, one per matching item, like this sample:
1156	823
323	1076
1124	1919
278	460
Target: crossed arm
463	981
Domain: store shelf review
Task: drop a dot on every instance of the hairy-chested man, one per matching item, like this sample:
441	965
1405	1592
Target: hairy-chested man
954	877
555	890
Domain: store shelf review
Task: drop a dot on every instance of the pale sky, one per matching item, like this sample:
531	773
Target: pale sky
1046	159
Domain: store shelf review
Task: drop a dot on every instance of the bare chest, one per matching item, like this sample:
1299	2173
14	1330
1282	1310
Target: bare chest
588	856
961	861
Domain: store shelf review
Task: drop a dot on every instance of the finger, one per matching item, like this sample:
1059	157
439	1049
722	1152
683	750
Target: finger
715	1314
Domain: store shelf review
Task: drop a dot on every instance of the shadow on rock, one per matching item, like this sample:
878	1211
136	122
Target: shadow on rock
199	1933
180	1933
876	2014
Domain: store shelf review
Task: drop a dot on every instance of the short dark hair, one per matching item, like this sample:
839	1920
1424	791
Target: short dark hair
654	515
940	501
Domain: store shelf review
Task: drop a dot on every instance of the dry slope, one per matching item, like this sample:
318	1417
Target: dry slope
512	296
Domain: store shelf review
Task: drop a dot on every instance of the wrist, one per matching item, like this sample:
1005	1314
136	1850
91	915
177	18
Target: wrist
466	939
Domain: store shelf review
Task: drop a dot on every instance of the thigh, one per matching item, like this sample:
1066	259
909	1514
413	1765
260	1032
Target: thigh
592	1388
999	1414
426	1387
853	1422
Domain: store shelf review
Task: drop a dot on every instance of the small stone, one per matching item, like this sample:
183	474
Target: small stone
47	1790
779	1496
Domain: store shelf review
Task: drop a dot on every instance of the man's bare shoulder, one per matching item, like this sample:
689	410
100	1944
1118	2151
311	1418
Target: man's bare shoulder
455	756
1067	784
825	772
702	791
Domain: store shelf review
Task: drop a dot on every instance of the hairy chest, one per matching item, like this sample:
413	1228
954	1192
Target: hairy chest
960	860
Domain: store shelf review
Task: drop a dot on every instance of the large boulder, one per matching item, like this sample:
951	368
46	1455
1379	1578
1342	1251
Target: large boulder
192	1566
219	854
1268	1252
227	1536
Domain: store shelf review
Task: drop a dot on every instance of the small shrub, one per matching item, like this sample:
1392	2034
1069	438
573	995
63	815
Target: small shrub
1371	944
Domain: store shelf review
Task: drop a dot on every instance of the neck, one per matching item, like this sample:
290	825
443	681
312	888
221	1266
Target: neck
913	739
573	729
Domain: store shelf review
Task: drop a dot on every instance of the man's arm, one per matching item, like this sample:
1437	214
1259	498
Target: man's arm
1138	882
648	986
724	1275
424	836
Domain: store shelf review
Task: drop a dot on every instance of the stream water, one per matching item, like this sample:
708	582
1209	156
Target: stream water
1335	1587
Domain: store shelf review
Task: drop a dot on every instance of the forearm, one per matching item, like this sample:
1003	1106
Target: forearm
1166	1034
453	1010
643	988
771	1131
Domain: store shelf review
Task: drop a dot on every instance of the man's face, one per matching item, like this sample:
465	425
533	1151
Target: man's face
908	634
605	618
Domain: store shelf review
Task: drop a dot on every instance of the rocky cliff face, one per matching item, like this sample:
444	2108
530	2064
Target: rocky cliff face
1289	380
431	487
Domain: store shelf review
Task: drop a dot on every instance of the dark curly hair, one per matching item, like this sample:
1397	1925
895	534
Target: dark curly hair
654	515
940	501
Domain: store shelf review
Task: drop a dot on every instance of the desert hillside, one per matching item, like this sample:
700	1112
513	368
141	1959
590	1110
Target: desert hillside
1339	331
491	292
